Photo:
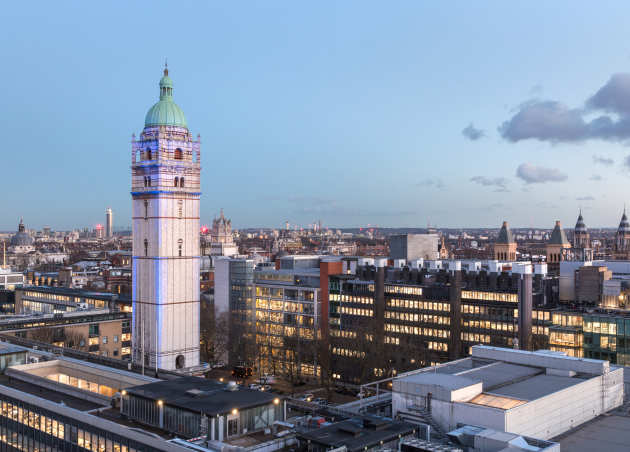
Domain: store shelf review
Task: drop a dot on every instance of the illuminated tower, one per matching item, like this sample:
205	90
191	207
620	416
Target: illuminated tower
109	223
165	191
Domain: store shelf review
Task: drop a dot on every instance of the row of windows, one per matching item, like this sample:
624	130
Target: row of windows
475	337
47	296
343	333
408	290
417	330
286	331
438	346
356	311
348	352
488	325
566	339
419	305
486	310
177	182
65	433
490	296
351	299
178	154
425	318
284	306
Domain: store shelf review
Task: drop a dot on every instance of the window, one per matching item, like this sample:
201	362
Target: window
146	209
176	182
180	208
179	155
180	243
148	154
232	427
181	182
146	247
115	339
104	339
115	353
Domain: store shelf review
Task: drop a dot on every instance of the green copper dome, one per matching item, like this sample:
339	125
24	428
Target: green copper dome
165	112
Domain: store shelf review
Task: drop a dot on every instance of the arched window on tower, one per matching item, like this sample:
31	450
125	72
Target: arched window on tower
180	208
181	182
179	154
149	156
146	209
146	247
176	181
180	244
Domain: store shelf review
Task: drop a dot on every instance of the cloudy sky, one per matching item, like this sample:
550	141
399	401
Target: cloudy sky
355	112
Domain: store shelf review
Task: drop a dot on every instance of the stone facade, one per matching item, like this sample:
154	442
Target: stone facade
166	257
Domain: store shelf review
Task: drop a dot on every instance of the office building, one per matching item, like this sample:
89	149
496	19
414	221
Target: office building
166	191
234	298
288	316
385	320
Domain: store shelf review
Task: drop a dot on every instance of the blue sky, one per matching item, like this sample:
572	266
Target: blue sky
350	112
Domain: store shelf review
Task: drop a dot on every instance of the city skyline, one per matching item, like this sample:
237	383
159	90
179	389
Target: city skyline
345	114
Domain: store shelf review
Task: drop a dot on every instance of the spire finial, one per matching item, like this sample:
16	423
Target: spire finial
166	66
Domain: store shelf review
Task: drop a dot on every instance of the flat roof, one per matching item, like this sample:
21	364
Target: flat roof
451	382
202	395
499	373
49	394
537	386
606	433
354	436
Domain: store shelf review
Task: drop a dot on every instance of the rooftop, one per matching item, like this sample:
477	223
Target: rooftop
606	433
202	395
358	434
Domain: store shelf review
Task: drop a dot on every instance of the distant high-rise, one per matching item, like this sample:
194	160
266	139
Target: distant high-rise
109	223
166	257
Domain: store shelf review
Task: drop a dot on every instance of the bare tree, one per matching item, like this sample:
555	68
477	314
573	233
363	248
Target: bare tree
76	340
45	335
214	338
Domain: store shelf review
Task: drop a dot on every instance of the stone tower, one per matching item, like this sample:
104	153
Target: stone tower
581	237
505	246
622	237
165	169
556	246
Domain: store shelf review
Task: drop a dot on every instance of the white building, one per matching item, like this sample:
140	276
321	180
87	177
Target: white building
166	190
536	394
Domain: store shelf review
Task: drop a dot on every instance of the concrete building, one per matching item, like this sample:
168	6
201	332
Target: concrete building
536	394
234	297
166	191
414	246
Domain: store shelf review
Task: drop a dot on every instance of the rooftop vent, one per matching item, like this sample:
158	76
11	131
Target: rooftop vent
195	392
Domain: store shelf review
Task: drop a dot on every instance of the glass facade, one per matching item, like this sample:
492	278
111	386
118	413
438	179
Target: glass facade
27	427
